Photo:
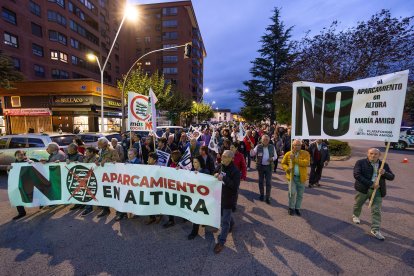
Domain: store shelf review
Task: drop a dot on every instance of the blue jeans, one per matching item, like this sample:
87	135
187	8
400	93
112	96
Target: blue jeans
226	221
265	172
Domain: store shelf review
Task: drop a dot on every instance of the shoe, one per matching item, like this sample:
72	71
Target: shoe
310	186
231	227
218	248
291	212
150	220
19	216
261	198
192	236
86	212
74	207
268	201
377	234
169	224
158	219
317	184
297	212
119	217
104	213
40	207
356	219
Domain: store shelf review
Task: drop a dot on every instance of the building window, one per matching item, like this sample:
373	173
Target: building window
170	11
75	60
54	55
63	57
37	50
169	46
11	40
74	43
116	69
169	23
34	8
9	16
16	63
170	59
39	70
169	35
56	17
148	63
36	30
170	70
59	74
59	2
56	36
147	39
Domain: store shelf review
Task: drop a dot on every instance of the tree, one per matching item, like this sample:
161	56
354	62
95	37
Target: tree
269	71
201	111
381	45
7	72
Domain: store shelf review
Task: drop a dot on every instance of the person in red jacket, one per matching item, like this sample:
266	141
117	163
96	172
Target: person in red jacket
250	142
240	164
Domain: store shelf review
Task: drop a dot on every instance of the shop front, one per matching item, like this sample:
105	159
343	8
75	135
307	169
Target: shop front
59	106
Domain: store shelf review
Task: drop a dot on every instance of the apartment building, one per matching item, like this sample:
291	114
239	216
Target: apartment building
49	39
165	25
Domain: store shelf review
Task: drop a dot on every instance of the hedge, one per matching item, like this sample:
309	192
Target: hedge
339	148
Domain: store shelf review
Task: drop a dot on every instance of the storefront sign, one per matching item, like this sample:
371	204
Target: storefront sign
71	100
28	112
113	103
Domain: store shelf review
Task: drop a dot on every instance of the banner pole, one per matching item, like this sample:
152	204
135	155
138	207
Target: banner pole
379	175
130	138
291	170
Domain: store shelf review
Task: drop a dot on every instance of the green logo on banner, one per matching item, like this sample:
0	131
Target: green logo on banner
30	178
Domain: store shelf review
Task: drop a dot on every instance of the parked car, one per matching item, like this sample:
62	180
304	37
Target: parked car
34	144
91	138
406	139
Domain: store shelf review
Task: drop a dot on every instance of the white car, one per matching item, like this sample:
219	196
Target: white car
33	144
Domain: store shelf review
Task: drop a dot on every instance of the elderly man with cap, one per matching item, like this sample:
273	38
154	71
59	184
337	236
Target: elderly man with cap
230	175
265	155
295	164
366	172
106	154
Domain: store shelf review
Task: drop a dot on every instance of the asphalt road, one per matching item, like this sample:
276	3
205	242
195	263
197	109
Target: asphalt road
265	241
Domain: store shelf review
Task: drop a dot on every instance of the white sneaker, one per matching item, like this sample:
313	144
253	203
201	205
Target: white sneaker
377	234
356	219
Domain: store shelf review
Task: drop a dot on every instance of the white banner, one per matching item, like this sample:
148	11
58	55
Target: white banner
138	189
139	112
369	109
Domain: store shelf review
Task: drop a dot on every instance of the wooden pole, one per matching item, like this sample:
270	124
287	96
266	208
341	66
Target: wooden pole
379	175
291	169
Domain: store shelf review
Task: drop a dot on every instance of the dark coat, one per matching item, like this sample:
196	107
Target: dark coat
231	183
209	164
363	172
324	152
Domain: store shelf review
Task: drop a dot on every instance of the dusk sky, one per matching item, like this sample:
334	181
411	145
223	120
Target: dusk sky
231	30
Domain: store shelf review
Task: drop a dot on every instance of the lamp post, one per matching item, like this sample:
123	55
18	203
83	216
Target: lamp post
133	65
129	13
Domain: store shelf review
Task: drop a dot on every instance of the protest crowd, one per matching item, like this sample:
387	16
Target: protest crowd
226	151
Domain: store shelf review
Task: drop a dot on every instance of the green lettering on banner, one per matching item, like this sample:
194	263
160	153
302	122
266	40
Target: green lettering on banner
30	177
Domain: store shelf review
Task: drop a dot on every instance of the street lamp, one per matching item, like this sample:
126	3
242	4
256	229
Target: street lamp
130	13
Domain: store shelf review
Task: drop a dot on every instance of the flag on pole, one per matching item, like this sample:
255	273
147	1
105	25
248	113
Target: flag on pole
242	132
153	100
185	162
213	144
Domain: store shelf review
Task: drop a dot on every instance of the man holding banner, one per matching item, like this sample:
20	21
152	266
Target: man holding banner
365	173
